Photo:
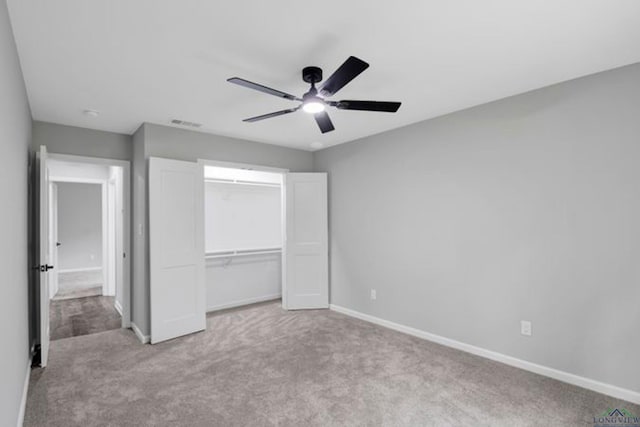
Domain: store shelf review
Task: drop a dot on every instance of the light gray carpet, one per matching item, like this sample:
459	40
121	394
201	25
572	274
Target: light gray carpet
261	366
82	316
78	284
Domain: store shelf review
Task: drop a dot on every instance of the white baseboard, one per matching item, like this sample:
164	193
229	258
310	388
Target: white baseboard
25	393
597	386
118	307
144	339
79	270
240	303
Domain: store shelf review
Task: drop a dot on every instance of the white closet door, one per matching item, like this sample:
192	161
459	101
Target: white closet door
176	233
43	251
306	278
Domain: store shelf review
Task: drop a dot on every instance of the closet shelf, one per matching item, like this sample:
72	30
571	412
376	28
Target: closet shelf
242	252
241	182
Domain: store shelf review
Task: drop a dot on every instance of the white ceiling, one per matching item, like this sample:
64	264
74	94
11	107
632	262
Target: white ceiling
155	60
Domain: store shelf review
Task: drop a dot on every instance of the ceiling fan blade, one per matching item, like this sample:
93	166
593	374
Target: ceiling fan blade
324	122
348	71
261	88
268	116
389	107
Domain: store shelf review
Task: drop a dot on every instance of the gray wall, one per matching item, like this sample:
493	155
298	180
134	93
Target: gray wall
62	139
163	141
79	225
15	136
526	208
180	144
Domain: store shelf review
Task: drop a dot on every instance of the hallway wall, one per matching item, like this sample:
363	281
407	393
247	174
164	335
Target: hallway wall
62	139
79	226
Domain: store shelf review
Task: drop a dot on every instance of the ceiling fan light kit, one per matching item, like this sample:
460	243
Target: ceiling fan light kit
313	107
314	102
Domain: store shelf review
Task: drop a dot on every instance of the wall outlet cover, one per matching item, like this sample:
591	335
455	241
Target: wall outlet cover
373	294
525	327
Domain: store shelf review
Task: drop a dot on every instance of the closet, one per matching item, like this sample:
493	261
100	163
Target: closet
224	235
243	236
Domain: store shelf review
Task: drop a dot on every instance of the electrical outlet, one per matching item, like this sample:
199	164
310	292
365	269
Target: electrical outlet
373	294
525	327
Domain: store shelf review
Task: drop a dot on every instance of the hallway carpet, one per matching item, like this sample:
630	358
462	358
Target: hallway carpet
78	284
82	316
262	366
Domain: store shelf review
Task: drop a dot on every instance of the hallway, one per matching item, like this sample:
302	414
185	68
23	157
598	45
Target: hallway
82	316
78	284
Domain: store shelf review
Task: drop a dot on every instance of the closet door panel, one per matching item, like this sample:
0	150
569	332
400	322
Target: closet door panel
306	281
176	233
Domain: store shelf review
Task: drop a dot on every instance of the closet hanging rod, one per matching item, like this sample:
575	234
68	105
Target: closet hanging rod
242	252
240	182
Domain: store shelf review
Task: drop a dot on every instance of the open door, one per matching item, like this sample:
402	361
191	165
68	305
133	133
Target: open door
43	250
176	233
306	264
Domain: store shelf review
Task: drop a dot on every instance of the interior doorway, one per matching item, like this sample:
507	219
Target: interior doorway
84	236
76	239
86	239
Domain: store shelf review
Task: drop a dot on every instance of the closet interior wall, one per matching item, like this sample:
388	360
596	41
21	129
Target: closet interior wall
243	236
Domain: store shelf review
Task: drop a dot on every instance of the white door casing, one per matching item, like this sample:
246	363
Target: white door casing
53	238
306	263
119	237
43	251
176	233
110	233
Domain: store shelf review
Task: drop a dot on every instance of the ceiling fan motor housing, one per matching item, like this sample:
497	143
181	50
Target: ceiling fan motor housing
312	74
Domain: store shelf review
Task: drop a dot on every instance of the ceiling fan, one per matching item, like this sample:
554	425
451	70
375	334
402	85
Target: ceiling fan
314	101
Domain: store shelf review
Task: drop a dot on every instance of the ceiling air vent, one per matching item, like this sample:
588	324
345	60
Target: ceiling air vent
186	123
